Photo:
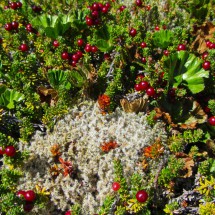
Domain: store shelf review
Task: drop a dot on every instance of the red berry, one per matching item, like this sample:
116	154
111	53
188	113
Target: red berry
208	43
138	3
75	57
133	32
2	151
211	120
65	55
73	63
166	52
144	85
68	213
15	25
20	193
23	47
80	42
56	43
100	5
8	27
95	14
105	9
80	54
94	49
206	65
181	47
36	9
106	56
95	6
148	7
89	21
30	195
212	46
28	206
13	5
116	186
140	77
107	4
10	151
19	4
137	87
143	45
143	59
141	196
204	55
150	91
88	48
29	28
122	8
157	28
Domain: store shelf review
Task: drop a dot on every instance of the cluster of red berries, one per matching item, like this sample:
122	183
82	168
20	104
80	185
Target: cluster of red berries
206	65
144	86
14	5
10	151
141	195
97	8
29	197
11	26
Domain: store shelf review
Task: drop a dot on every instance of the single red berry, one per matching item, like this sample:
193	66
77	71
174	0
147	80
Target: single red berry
207	109
95	6
6	7
133	32
30	195
15	25
2	151
107	4
166	52
144	85
89	21
73	63
65	55
28	206
121	8
29	28
157	28
143	59
8	27
143	45
56	43
20	193
181	47
106	56
88	48
75	57
208	43
10	151
150	91
80	54
138	3
100	5
23	47
19	4
80	42
68	213
137	87
206	65
211	120
164	27
36	9
94	49
141	196
13	5
148	7
116	186
95	14
105	9
212	46
205	55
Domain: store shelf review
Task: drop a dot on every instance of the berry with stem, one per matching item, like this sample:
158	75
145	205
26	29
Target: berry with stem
141	196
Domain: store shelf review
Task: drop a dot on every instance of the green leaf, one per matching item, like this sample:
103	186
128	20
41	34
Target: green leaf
58	78
77	79
104	45
185	68
163	38
8	97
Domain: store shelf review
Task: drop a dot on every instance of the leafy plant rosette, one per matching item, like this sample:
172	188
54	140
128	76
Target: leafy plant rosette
138	55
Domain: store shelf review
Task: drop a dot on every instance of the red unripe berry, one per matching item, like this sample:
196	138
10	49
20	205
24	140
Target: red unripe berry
150	91
8	27
2	151
23	47
133	32
116	186
10	151
144	85
181	47
56	43
211	120
143	45
13	5
65	55
30	195
80	42
206	65
94	49
28	206
141	196
15	25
